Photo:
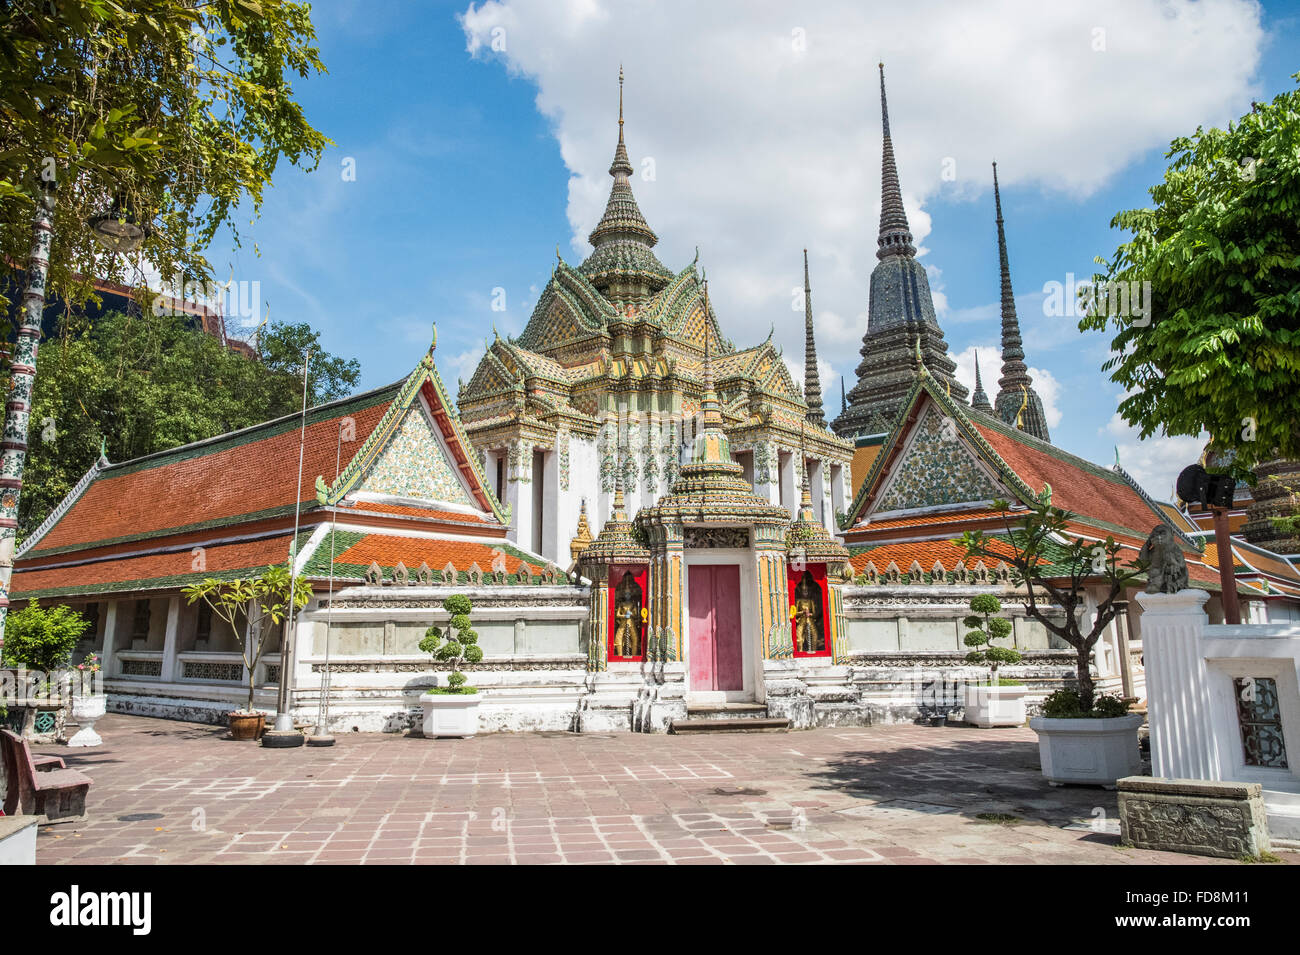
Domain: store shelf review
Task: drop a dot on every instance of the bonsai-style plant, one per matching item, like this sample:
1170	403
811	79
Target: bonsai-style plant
42	639
257	603
1046	558
982	629
458	645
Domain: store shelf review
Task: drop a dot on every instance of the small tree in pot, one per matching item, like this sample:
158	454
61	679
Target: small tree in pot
982	629
999	702
1043	554
457	646
452	710
1038	559
267	599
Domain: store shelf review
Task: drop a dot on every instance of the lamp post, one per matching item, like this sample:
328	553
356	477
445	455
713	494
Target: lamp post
321	736
118	231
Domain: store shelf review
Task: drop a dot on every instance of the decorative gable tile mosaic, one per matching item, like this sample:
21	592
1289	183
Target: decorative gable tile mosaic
937	469
413	465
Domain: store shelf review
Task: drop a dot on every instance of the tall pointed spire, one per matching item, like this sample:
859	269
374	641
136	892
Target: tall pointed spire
844	400
980	401
900	310
895	234
623	267
1017	403
812	384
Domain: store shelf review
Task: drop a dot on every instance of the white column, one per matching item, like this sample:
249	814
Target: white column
107	660
169	673
790	481
519	495
1182	741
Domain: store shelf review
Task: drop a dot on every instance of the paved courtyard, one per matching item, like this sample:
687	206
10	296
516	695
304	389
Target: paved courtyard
180	793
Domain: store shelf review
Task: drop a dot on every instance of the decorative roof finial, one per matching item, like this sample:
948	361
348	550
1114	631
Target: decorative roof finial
434	343
895	234
812	383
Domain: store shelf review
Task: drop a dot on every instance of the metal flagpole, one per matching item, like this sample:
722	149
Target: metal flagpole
321	736
283	734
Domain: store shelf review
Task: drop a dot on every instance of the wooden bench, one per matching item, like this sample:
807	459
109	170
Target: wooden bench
41	785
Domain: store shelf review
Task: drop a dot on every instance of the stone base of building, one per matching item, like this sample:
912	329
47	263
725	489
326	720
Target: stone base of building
559	695
1195	816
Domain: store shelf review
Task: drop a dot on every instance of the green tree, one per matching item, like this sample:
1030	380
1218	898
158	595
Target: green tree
1038	560
1218	349
178	111
982	628
458	645
138	384
252	607
43	639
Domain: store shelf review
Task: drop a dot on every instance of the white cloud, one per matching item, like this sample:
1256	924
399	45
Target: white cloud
760	148
1155	462
1049	389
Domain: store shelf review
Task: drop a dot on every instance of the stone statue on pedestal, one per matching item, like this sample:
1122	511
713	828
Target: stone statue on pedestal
810	636
1167	572
627	617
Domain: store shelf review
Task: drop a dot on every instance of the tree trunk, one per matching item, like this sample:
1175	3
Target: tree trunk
1083	666
22	383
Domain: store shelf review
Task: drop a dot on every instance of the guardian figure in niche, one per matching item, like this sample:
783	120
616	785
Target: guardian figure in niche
809	635
627	617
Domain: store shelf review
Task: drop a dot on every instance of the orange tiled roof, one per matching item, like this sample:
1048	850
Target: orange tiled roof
245	472
922	520
1077	486
150	571
387	550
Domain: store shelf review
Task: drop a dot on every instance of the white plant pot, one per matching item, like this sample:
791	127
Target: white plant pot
1088	751
86	711
988	706
450	714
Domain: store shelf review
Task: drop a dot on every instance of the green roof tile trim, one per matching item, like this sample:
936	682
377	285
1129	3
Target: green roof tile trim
425	373
63	507
318	564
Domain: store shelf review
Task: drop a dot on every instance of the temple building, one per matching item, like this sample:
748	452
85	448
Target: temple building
646	518
605	384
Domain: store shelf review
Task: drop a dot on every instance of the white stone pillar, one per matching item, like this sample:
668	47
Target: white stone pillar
1182	739
168	673
109	650
791	481
519	493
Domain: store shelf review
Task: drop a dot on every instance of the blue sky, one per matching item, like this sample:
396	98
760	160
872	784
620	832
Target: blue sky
762	129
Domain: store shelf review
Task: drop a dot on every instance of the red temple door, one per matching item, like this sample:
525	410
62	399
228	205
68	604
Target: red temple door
715	648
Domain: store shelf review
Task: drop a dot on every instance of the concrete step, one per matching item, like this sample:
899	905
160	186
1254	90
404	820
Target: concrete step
726	711
751	724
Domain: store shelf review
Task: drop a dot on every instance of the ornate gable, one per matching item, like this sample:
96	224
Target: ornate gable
414	465
936	468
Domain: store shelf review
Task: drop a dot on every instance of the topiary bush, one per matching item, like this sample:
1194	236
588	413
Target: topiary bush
457	645
982	628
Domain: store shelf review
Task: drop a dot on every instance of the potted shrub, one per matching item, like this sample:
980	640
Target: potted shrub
1081	739
999	702
259	604
1097	745
41	640
452	710
88	703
